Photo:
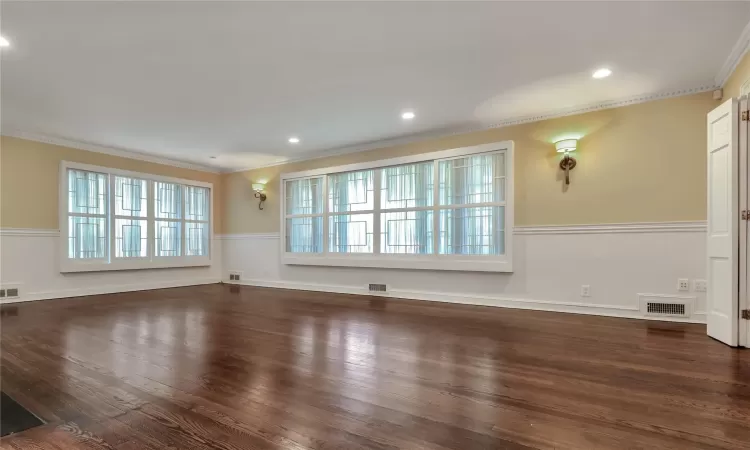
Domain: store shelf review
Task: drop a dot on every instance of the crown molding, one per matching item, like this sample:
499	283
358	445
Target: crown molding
445	132
114	151
735	56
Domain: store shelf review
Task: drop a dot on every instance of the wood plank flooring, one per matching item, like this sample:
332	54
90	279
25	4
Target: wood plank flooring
224	367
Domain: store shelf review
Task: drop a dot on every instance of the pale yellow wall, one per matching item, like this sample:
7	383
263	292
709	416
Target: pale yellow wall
640	163
737	78
29	186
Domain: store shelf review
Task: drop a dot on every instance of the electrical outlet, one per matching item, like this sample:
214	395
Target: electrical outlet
683	284
700	285
585	290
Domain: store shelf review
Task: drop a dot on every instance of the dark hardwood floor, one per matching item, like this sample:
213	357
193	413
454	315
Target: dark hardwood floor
222	367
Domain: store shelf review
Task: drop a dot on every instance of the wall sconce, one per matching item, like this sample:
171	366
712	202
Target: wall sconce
258	188
568	163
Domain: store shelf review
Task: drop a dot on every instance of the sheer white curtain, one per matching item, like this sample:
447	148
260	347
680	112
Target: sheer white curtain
88	203
470	209
304	215
471	194
407	187
351	201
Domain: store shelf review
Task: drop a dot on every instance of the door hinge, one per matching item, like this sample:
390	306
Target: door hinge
743	214
745	116
746	314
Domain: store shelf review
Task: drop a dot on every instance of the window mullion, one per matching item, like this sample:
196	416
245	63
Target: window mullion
376	232
183	223
435	208
325	214
112	238
150	222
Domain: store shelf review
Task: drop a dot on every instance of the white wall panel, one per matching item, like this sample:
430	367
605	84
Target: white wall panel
619	262
28	259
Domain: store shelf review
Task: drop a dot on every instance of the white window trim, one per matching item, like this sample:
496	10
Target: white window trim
469	263
68	265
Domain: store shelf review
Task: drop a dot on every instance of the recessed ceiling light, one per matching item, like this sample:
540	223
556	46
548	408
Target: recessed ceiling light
4	42
602	73
407	115
212	157
294	140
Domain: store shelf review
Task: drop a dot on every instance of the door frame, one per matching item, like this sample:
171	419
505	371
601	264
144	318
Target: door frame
744	156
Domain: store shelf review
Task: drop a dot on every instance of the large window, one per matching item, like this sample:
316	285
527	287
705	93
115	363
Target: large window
117	220
445	210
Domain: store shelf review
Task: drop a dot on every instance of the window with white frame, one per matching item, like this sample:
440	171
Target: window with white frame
446	210
119	220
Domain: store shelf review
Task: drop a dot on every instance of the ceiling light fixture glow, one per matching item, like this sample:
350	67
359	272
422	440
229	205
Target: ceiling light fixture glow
602	73
294	140
408	115
4	42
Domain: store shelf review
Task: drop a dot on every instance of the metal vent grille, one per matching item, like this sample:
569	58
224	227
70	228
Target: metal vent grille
12	292
669	309
2	293
377	288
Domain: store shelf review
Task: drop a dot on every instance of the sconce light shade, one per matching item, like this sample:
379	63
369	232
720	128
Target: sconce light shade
258	187
566	145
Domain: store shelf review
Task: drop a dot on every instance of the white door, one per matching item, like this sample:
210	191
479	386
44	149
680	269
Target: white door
723	224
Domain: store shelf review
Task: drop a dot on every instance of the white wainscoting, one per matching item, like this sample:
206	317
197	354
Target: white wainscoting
621	263
29	261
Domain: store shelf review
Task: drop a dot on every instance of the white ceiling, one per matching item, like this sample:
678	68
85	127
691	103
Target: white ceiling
190	80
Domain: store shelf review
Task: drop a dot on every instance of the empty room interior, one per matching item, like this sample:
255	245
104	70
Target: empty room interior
374	225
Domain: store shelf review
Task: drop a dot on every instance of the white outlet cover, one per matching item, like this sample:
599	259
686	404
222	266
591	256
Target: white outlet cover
683	284
700	285
585	290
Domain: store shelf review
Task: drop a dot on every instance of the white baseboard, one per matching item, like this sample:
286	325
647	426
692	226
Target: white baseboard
501	302
109	289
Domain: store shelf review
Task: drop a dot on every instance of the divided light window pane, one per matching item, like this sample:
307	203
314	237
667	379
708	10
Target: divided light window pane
87	192
350	233
196	239
304	197
168	238
407	186
197	212
167	200
472	231
88	235
131	197
304	234
197	203
131	238
131	210
473	179
407	232
351	191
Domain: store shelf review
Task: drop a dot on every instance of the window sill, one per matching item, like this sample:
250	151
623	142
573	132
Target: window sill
463	264
68	266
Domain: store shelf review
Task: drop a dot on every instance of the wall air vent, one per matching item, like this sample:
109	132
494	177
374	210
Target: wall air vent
666	306
10	291
377	288
670	309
